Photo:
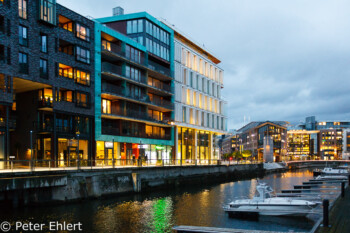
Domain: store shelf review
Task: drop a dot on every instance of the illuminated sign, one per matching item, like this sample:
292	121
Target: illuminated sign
160	147
143	146
109	145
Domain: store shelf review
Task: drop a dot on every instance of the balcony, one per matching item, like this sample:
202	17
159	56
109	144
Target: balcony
45	127
118	51
114	131
116	90
138	115
46	102
159	69
111	69
11	122
117	70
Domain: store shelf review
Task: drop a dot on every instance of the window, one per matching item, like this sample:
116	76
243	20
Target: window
132	73
43	68
106	106
82	32
83	55
82	77
106	45
184	114
23	63
2	23
65	23
82	100
43	43
23	36
133	54
65	71
48	11
134	26
65	95
22	9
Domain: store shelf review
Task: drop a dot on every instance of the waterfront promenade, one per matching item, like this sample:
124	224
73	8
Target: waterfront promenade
339	217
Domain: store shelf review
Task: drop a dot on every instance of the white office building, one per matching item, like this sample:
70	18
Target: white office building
199	107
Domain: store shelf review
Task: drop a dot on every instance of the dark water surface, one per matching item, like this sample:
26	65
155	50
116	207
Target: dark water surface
161	210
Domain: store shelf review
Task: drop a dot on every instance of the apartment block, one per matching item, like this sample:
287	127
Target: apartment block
134	90
46	81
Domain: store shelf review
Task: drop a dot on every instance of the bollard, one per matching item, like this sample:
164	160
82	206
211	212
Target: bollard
349	180
325	213
342	189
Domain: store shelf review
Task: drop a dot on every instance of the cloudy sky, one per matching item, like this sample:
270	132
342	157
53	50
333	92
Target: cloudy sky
283	60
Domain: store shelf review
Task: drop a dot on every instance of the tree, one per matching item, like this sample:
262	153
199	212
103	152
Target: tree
237	155
247	153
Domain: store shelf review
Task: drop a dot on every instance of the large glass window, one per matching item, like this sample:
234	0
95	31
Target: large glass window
82	32
23	35
48	11
132	73
133	54
43	43
82	99
83	55
65	71
134	26
43	68
23	63
106	106
22	9
82	77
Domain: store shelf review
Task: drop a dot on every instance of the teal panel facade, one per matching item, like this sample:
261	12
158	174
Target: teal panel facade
99	29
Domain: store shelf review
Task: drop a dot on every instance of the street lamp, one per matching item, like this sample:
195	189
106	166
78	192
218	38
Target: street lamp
31	151
78	154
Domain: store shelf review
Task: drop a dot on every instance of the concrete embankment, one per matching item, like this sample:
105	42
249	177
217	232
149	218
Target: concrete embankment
64	186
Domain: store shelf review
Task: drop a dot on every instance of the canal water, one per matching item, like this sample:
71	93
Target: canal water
159	211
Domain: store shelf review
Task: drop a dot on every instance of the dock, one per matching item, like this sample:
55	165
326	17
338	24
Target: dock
339	217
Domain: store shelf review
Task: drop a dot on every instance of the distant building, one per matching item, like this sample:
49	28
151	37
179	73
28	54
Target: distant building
266	139
346	144
302	144
230	144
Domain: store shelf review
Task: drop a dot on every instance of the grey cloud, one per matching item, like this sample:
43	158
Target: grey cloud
283	60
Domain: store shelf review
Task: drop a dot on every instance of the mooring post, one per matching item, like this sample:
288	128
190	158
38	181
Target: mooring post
349	180
342	189
325	213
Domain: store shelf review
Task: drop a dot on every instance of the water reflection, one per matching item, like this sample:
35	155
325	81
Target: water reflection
160	211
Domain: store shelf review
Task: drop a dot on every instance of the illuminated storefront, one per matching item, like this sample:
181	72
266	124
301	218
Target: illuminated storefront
126	154
195	146
302	145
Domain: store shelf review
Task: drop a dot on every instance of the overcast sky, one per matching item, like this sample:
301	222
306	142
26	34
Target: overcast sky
283	60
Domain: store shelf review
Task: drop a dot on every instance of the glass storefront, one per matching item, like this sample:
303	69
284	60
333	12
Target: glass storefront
68	152
194	146
132	154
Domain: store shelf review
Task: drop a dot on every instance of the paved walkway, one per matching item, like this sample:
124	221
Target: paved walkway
339	218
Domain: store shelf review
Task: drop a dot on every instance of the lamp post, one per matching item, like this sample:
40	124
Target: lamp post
31	151
78	154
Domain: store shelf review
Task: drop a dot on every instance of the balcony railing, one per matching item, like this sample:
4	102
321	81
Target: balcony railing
108	88
107	67
45	127
160	69
46	102
161	86
142	115
117	49
116	132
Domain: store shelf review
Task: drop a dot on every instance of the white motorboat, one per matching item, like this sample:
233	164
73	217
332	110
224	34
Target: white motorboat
331	172
265	204
331	178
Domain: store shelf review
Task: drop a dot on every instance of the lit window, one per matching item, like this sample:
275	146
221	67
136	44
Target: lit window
48	11
82	32
82	77
22	9
65	71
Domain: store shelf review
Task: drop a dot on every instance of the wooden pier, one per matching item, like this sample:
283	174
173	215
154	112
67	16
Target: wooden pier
339	218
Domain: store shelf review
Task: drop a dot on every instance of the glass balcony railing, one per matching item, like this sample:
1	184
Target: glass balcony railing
160	69
141	115
112	89
117	70
116	132
117	49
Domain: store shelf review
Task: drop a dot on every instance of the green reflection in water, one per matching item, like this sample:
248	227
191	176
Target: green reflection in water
162	220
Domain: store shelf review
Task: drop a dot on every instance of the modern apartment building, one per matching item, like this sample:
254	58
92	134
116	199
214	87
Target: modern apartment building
134	89
266	139
199	108
46	82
